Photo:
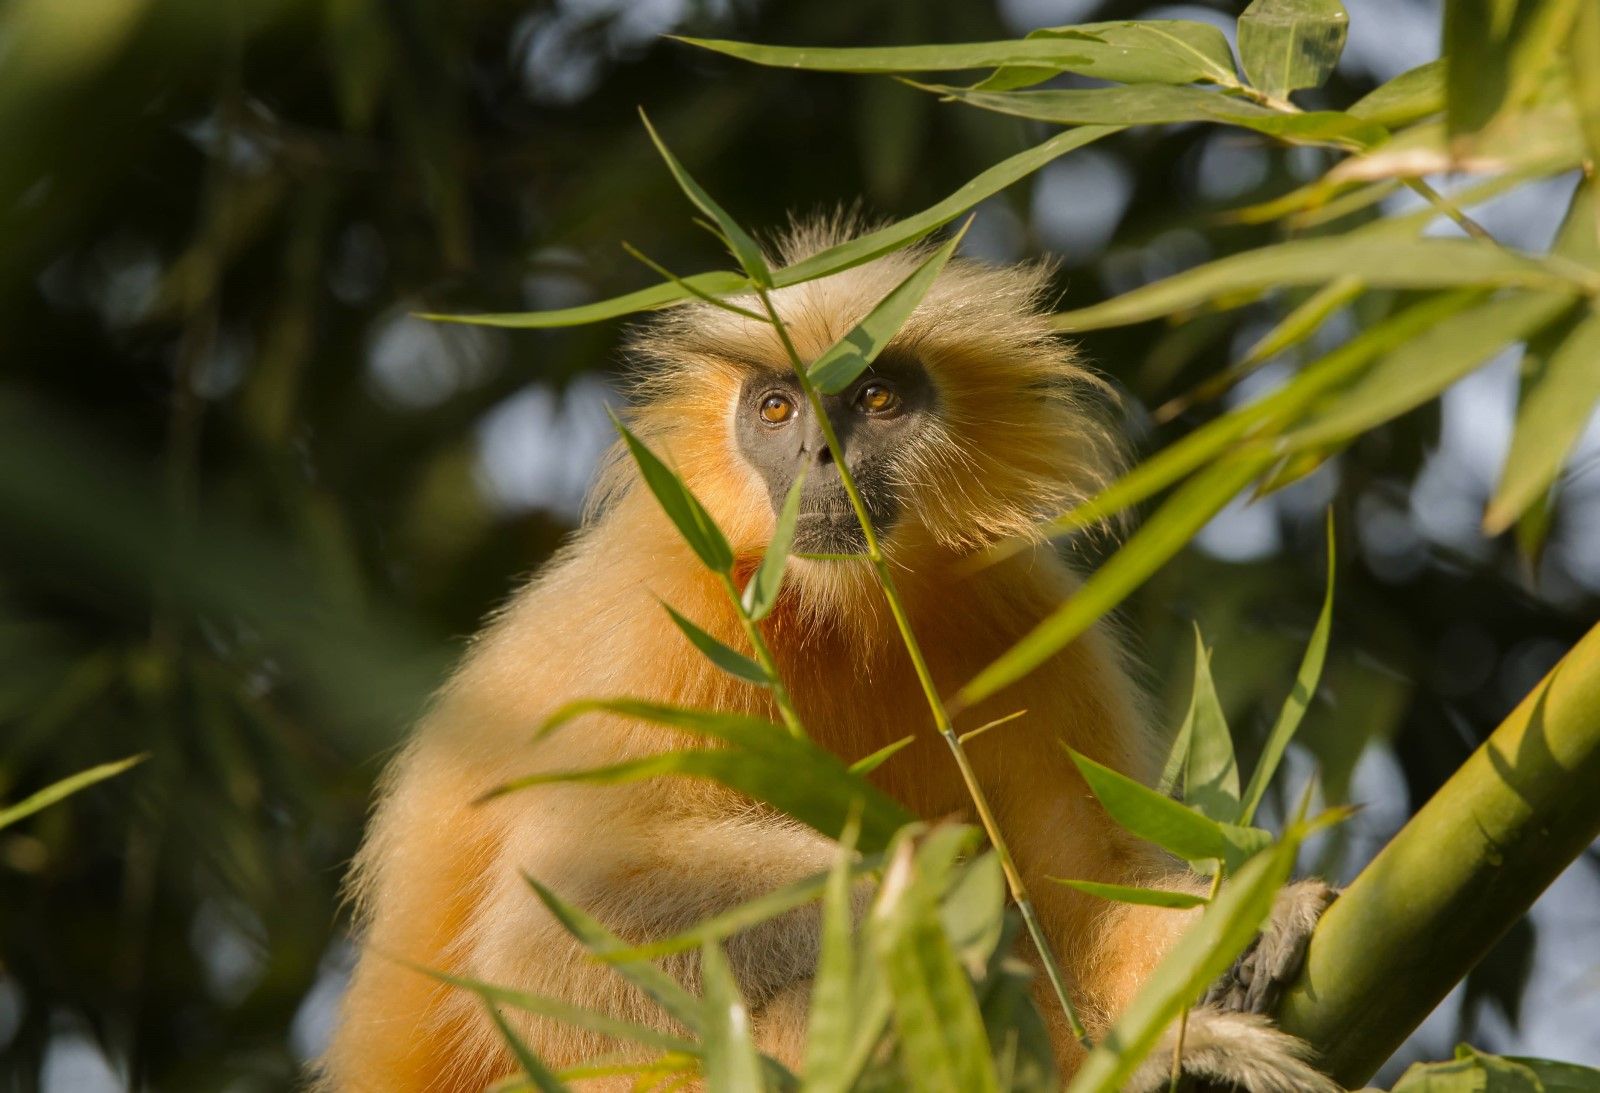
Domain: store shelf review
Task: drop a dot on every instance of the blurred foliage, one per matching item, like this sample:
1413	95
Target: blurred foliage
244	516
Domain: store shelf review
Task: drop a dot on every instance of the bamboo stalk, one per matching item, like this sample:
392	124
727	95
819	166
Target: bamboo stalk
1457	876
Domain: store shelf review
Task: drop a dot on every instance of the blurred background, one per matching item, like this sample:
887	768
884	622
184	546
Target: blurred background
250	507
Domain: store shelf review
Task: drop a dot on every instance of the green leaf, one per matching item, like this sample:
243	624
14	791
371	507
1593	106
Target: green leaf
1156	104
1381	262
1153	816
1469	1072
1204	952
1305	320
973	911
1294	707
762	761
854	353
1552	416
729	660
761	594
842	256
739	242
1496	53
1162	536
832	1024
1583	68
1211	774
1412	95
1144	897
539	1075
732	1064
566	1013
1289	44
1426	365
691	519
942	1036
1561	1077
1154	51
1177	761
666	991
56	791
869	763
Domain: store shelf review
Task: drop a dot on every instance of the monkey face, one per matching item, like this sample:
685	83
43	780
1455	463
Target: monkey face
876	417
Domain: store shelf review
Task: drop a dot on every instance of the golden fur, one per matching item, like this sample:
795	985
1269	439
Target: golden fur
438	882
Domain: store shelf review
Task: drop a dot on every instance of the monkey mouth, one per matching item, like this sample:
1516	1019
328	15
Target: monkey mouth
832	531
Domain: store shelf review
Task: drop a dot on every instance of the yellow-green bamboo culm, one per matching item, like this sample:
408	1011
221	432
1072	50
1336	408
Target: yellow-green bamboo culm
1457	876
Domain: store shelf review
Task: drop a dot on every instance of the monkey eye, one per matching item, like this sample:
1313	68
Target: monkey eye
877	397
776	409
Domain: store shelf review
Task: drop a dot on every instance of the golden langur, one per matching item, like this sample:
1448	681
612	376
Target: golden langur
972	426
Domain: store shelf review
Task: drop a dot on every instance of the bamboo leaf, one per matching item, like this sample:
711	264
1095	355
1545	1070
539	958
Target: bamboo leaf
1496	52
1289	44
1154	51
58	791
1156	104
732	1064
1211	774
869	763
1583	69
666	991
1559	1077
744	248
1144	897
1204	952
942	1035
1381	262
1162	536
1551	418
566	1013
539	1075
680	505
1420	369
852	354
762	761
832	1025
729	660
1294	707
1412	95
761	594
842	256
1151	815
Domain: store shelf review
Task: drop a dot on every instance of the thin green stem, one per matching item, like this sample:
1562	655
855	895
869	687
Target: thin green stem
780	692
941	715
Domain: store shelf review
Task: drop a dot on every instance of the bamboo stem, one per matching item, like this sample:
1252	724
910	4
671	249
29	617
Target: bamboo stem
1457	876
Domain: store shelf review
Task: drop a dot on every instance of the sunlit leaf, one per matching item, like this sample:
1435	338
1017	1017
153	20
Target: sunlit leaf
1289	44
539	1075
1470	1072
666	991
942	1035
869	763
739	242
1420	369
762	761
1583	69
691	519
851	355
832	1024
1555	409
1145	897
1204	952
1162	536
1157	104
761	594
1151	815
1153	51
732	1064
1211	774
1496	52
841	256
57	791
729	660
1294	707
1382	263
1413	94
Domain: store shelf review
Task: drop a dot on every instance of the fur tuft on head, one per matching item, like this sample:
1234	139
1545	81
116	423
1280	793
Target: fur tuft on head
1019	435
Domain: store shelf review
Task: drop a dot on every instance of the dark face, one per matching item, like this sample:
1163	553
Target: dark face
874	418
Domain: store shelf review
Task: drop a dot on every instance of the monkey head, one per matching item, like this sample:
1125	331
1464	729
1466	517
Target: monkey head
974	424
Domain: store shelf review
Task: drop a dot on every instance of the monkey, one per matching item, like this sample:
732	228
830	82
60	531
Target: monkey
975	423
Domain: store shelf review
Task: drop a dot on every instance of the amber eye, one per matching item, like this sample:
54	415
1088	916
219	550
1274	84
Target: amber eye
877	397
776	409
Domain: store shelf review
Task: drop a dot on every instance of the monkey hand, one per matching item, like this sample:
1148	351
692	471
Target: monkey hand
1229	1045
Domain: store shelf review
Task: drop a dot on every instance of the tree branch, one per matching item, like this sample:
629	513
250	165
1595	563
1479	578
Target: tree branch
1457	876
